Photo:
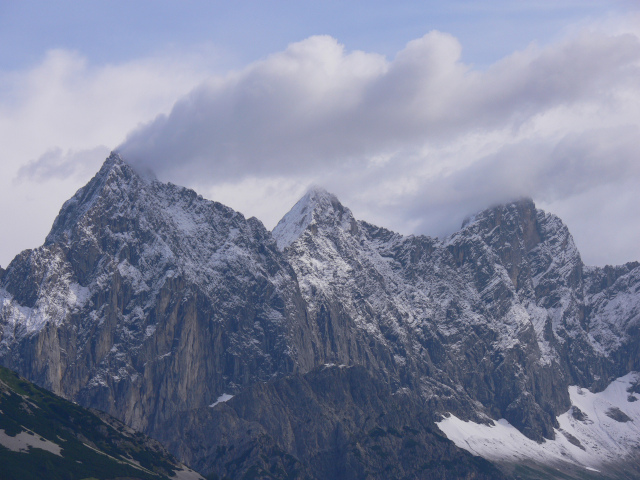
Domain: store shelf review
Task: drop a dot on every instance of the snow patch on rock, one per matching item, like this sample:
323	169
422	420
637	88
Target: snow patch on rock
225	397
588	435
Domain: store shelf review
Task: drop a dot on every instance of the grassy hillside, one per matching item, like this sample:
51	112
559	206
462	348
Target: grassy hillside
45	436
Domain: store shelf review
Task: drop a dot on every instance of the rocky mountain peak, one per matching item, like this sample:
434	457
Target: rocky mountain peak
155	305
528	242
519	218
113	180
114	169
318	210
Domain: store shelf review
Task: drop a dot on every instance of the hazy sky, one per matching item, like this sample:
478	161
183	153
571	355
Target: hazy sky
415	114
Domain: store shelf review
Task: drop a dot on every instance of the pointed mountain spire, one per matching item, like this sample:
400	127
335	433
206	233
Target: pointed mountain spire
114	175
317	208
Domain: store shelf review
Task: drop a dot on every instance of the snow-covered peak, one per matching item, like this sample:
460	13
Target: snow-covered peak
112	160
316	208
516	224
114	177
115	167
522	207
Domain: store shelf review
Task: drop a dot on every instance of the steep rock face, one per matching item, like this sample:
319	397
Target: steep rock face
613	314
581	316
527	274
323	245
146	300
334	422
490	322
149	302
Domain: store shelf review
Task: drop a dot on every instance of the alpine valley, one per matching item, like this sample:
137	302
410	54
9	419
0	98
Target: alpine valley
331	348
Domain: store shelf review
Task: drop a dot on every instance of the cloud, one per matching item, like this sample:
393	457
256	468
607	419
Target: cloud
59	116
315	105
57	164
66	101
241	123
418	141
415	142
549	170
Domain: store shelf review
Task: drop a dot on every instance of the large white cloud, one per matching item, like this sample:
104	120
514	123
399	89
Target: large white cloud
59	119
415	142
419	141
314	104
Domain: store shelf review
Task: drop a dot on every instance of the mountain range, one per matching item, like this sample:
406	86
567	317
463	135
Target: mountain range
331	347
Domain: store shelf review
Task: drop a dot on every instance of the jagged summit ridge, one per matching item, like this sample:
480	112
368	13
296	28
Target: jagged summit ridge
520	205
510	281
150	302
316	208
139	278
115	174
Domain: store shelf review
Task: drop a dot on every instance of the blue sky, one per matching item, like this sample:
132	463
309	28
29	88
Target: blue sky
415	113
244	31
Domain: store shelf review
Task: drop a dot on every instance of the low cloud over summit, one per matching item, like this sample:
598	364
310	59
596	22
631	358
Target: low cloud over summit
422	138
413	135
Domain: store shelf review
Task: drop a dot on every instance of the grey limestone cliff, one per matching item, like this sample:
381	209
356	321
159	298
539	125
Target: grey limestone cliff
146	300
151	303
335	422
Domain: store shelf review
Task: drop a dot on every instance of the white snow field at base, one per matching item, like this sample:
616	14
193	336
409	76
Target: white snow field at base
602	438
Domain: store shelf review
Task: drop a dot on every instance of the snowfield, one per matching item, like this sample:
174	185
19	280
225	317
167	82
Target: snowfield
598	429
